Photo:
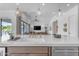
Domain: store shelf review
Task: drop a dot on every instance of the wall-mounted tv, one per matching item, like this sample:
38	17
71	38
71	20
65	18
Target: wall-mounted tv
37	27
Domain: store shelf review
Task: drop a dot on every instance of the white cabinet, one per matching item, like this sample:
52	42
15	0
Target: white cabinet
65	51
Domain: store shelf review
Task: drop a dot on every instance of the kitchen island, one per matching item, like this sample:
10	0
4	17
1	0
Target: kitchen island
47	45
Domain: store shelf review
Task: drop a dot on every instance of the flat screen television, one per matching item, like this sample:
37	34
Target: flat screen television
37	27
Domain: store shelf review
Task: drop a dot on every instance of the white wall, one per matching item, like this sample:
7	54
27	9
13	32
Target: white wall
71	18
51	24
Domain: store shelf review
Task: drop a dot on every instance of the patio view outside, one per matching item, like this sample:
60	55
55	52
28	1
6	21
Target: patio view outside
6	29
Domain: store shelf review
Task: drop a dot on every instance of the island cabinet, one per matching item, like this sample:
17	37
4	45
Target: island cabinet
65	51
28	51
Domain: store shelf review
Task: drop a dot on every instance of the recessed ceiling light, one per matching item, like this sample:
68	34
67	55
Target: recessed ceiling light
68	5
43	4
17	4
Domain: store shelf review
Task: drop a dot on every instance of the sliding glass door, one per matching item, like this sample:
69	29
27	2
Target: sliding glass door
25	28
5	29
0	29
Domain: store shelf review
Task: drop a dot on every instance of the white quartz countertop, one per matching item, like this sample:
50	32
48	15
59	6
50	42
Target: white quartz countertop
42	41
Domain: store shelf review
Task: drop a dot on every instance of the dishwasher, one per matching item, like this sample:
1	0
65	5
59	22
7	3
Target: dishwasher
2	51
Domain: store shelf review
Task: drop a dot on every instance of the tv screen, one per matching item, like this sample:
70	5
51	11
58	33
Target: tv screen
37	27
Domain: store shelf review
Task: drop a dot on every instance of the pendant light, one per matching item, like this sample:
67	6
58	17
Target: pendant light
59	11
39	12
36	19
18	12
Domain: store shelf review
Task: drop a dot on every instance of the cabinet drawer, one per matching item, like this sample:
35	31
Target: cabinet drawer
27	50
65	54
66	50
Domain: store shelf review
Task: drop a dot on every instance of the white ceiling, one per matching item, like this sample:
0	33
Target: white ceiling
7	6
47	11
